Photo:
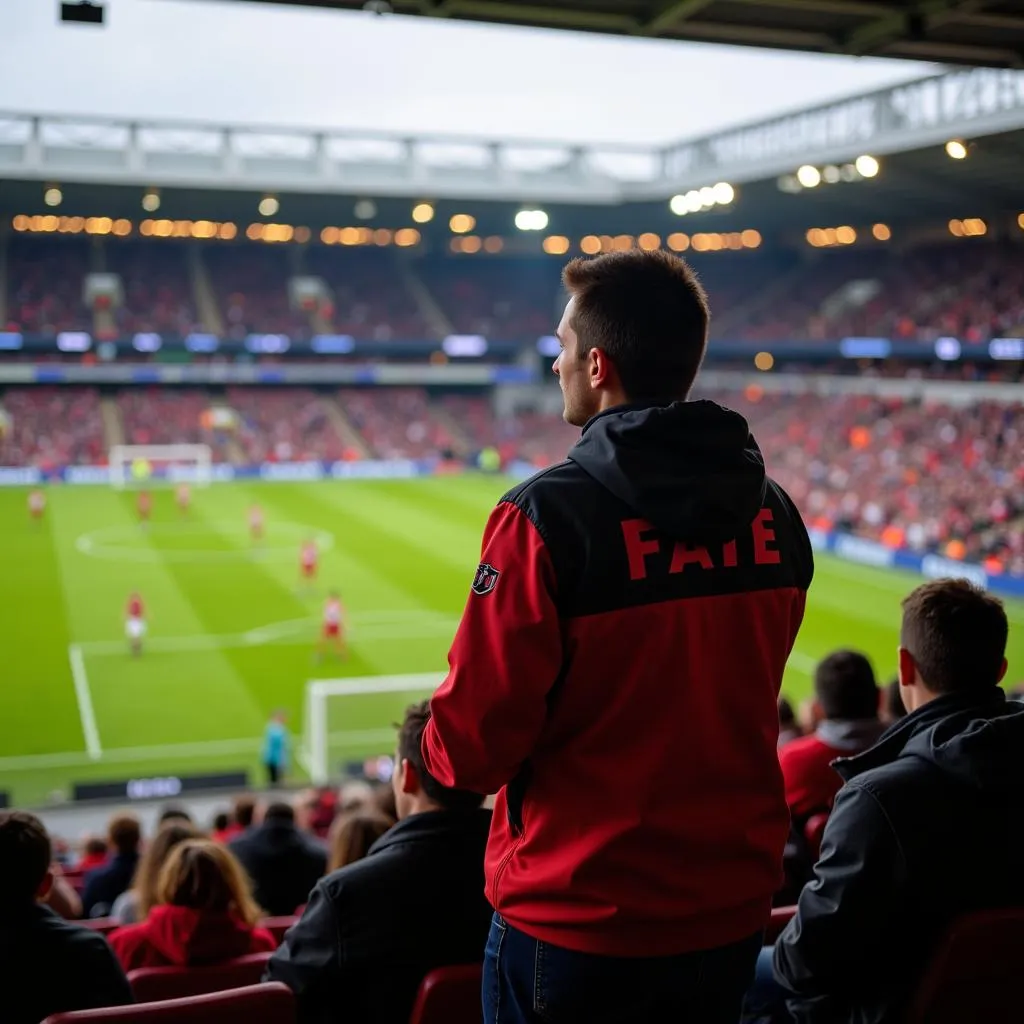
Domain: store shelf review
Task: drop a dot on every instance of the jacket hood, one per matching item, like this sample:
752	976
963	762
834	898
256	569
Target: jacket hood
691	469
187	936
977	739
435	825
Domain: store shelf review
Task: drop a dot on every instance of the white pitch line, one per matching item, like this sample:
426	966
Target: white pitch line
84	698
180	751
801	662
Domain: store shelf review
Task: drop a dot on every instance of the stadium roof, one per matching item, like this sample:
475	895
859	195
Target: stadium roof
976	32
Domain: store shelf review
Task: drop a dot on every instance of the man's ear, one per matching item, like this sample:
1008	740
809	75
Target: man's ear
45	886
907	668
600	369
410	780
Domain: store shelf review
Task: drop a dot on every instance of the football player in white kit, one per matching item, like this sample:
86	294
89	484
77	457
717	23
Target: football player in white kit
135	623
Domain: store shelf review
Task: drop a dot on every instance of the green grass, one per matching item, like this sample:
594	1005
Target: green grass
401	552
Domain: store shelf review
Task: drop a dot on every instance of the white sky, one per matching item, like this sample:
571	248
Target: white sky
287	66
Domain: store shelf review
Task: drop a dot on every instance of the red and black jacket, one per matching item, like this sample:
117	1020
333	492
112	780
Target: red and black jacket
615	676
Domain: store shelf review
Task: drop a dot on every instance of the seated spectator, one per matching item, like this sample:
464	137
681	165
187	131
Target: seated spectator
94	854
222	829
135	903
204	913
104	884
46	964
921	830
174	813
845	713
373	929
789	728
283	863
891	708
352	836
244	813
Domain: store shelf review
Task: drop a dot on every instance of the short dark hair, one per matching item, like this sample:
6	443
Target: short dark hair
787	716
844	684
410	741
244	811
648	312
124	833
221	820
279	811
173	812
25	854
956	634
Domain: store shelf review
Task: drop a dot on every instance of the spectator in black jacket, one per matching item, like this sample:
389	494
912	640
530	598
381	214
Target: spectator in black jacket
104	884
46	964
374	928
283	862
920	833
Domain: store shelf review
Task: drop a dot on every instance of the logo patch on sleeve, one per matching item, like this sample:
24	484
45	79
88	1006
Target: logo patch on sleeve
485	579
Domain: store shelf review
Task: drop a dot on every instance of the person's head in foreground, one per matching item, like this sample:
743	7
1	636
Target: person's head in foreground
952	641
25	854
845	689
633	332
204	876
416	790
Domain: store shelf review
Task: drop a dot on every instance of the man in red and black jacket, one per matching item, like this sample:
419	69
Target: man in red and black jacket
615	677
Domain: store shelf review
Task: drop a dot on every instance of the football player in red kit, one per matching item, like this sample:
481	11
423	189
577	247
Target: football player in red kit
36	503
183	496
308	562
333	632
256	522
135	622
144	506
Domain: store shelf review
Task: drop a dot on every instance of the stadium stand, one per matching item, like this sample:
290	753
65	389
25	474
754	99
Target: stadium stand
397	423
157	291
156	416
51	426
44	293
285	425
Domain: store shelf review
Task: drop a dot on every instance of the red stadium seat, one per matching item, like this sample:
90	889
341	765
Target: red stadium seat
103	925
150	984
277	926
449	995
974	974
271	1003
781	916
813	831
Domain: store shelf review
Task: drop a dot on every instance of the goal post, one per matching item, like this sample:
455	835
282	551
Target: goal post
333	726
178	463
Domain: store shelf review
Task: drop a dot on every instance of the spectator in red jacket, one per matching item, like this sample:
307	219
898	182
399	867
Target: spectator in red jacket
615	678
94	854
846	715
205	913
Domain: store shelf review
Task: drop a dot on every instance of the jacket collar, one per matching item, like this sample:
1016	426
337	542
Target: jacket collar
431	825
893	741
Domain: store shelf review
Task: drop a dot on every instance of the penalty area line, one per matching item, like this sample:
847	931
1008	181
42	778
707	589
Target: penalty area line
84	698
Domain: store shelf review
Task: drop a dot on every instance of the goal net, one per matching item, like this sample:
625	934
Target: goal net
349	720
143	464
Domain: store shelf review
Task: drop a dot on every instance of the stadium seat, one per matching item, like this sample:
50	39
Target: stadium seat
103	925
449	995
150	984
277	926
781	916
813	831
974	974
271	1003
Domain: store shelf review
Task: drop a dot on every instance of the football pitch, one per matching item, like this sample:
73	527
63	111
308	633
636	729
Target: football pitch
232	633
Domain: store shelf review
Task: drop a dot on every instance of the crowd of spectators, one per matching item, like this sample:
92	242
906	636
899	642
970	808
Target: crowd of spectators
171	416
157	290
282	425
397	423
44	285
50	427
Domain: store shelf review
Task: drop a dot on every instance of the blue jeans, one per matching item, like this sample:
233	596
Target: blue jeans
766	999
532	982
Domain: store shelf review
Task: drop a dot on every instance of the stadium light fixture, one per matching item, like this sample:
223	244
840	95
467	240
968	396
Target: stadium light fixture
707	197
462	223
867	166
830	174
556	245
956	150
846	235
151	200
531	220
764	361
423	213
53	196
494	243
788	183
591	244
750	238
1020	221
678	242
808	176
724	193
268	206
649	241
365	209
881	231
678	205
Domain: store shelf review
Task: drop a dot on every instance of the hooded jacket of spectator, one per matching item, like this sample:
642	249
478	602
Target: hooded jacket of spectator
922	832
615	676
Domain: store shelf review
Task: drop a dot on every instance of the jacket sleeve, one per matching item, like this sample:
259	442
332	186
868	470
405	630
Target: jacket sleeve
848	917
309	961
490	710
105	983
